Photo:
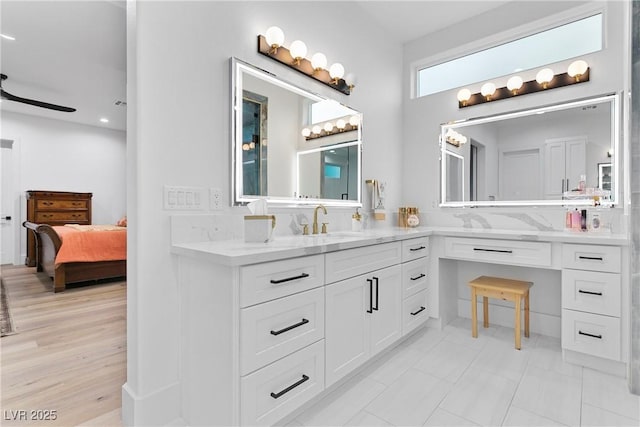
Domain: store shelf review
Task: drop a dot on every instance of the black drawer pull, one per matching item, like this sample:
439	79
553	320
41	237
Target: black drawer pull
593	258
418	277
288	279
590	335
291	387
419	311
370	309
502	251
377	294
418	249
288	328
589	292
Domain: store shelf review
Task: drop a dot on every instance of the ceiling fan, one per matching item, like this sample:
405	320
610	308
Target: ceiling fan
9	97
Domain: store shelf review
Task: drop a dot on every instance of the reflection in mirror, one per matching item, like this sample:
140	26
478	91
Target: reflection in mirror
545	156
269	115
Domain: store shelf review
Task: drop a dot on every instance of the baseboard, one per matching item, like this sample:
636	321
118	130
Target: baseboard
612	367
160	408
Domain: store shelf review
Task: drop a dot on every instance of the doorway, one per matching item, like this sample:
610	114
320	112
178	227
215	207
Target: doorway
9	204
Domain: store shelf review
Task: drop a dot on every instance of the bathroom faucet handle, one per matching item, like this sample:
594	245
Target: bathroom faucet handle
324	227
305	229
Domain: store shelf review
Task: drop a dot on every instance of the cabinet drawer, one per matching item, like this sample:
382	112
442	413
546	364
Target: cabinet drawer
61	204
414	312
63	217
499	251
591	257
275	329
293	381
271	280
354	262
593	334
414	276
415	248
591	291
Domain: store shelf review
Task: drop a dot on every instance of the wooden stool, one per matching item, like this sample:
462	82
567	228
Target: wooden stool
506	289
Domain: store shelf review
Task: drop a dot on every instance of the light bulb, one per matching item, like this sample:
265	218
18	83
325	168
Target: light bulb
354	120
514	84
298	51
306	132
245	147
336	71
350	80
316	130
275	38
318	61
544	76
328	127
341	124
487	90
463	96
577	69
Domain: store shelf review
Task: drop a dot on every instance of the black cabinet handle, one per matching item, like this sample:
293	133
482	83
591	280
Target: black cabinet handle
590	335
419	311
288	279
291	387
377	294
288	328
502	251
592	258
418	277
370	310
589	292
418	249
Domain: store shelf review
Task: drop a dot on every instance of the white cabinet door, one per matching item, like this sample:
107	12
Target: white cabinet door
575	162
348	307
386	319
554	180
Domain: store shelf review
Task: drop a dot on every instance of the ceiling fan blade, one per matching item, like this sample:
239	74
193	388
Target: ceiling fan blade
9	97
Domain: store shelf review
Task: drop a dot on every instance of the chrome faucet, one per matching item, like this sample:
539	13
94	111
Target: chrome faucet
315	220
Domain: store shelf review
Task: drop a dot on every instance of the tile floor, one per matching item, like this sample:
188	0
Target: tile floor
448	378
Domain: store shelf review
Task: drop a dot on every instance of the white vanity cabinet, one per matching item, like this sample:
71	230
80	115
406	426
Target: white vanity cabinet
415	280
363	313
591	300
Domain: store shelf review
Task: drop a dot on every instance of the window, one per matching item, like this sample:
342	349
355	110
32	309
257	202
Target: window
557	44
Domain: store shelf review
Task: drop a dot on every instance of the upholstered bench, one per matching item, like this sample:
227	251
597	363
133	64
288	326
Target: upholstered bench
500	288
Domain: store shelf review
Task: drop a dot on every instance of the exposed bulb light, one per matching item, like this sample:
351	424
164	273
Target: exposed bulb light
514	84
354	120
336	72
316	130
7	37
318	61
275	38
245	147
487	90
104	120
464	95
306	132
577	69
350	80
544	77
341	124
328	127
298	51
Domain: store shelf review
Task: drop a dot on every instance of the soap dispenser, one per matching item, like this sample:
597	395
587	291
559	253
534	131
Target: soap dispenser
356	221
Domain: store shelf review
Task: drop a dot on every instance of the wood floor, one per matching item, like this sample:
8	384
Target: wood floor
68	354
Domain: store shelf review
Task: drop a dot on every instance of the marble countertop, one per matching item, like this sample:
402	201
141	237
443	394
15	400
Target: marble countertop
237	252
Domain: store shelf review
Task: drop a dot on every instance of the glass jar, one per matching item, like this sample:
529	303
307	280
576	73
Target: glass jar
413	218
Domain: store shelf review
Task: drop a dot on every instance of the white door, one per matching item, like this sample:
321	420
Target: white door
576	161
520	178
7	217
554	170
386	321
346	326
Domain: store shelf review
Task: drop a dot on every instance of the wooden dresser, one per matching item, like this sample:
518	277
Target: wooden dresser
55	208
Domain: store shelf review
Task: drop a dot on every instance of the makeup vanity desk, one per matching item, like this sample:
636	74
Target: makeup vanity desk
231	376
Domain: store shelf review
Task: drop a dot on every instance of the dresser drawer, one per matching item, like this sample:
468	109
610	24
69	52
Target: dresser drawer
61	204
62	217
591	291
499	251
271	280
415	248
354	262
593	334
277	328
277	389
591	257
414	311
414	276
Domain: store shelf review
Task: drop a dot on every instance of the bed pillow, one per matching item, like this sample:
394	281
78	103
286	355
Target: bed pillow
122	222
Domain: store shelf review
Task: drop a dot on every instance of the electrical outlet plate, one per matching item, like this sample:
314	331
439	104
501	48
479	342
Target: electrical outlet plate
215	199
184	198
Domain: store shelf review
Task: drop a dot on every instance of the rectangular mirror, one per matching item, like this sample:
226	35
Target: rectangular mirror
291	146
564	154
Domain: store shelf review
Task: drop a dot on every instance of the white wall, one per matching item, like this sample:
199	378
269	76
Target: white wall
182	138
63	156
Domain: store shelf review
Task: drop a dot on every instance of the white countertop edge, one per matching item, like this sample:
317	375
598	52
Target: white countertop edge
237	252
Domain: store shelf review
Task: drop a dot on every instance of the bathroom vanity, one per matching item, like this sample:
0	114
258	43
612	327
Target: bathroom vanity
267	328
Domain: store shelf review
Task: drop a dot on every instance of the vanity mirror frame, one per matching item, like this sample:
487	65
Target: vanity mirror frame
237	68
617	184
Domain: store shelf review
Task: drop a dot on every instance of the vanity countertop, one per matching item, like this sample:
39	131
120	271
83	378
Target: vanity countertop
237	252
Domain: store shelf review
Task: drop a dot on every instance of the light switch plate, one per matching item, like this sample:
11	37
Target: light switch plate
183	198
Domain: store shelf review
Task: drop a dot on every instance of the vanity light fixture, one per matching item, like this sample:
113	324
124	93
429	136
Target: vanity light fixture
578	72
329	128
454	138
272	45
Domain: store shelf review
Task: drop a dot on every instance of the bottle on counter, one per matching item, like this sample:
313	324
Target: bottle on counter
413	220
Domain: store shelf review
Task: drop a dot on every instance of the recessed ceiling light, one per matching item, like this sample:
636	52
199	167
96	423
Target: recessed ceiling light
4	36
104	120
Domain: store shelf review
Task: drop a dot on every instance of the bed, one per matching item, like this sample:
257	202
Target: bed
78	253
